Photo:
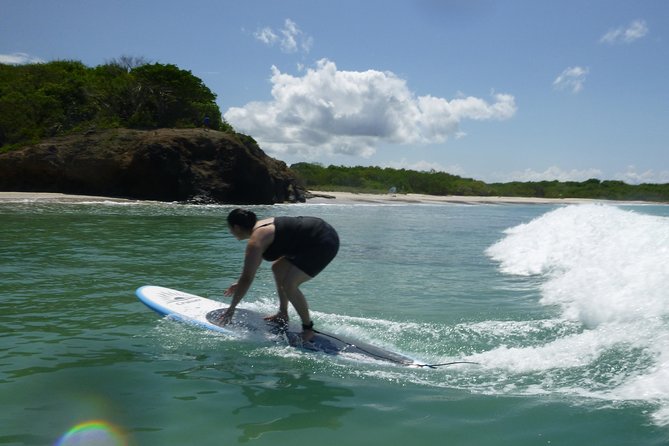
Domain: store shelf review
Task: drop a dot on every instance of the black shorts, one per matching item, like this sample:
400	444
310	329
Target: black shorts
314	258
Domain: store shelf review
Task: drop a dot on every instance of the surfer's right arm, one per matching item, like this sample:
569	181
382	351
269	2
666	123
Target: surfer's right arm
238	290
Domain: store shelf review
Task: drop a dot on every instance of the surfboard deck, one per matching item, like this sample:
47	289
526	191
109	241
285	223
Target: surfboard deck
203	312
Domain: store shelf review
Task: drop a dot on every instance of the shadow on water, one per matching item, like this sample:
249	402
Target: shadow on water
275	400
305	403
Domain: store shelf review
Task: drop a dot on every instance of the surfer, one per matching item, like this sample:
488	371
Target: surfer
298	247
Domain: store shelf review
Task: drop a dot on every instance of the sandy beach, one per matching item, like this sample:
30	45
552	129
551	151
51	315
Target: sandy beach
53	197
328	197
351	198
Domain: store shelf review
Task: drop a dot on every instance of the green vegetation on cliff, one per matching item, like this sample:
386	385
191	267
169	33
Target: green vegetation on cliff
56	98
380	180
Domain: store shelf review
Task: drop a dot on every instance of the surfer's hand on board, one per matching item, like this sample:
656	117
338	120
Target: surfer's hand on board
226	317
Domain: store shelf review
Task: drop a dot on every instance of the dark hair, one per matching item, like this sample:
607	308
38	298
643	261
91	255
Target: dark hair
243	218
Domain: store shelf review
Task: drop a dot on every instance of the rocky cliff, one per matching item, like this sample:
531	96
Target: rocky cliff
165	164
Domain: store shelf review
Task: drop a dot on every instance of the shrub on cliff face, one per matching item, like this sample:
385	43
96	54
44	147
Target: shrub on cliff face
55	98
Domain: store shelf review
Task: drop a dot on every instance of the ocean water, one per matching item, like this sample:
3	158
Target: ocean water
564	308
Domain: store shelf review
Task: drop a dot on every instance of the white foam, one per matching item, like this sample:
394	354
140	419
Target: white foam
607	269
603	264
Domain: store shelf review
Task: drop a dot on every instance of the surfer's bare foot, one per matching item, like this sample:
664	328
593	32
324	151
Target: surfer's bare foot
279	319
307	335
308	332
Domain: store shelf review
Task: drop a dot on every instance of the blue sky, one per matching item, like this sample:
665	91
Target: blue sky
494	90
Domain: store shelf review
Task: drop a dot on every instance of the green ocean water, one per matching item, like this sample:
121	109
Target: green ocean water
565	309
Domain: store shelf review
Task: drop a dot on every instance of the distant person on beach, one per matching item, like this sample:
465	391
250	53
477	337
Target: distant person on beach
299	247
205	123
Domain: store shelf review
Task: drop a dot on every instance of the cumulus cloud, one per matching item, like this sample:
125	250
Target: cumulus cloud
329	111
626	34
572	79
19	59
633	176
290	38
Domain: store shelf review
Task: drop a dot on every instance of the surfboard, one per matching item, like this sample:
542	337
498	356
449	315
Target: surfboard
203	312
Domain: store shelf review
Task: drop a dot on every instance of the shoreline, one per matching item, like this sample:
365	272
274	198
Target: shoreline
328	197
46	197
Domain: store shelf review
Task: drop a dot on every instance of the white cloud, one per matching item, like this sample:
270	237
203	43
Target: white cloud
328	111
290	38
266	36
626	34
19	59
551	174
632	176
572	79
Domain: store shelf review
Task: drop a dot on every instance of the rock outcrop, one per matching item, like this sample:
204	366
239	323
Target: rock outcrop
165	164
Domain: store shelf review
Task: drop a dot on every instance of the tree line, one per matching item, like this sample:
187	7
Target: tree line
56	98
382	180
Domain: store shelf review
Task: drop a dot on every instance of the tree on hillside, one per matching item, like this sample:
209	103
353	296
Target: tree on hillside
127	63
43	100
167	96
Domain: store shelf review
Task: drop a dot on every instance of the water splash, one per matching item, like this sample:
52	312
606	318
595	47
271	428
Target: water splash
605	269
602	264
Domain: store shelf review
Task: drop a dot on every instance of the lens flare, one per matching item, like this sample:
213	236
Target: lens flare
93	433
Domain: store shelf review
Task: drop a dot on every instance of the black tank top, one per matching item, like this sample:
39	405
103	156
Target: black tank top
292	234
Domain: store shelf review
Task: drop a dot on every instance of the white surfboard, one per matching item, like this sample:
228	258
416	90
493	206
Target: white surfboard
203	312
